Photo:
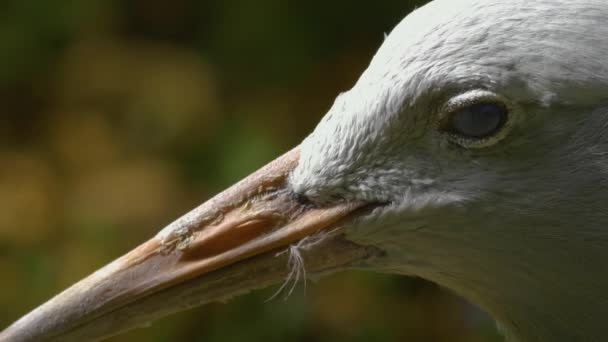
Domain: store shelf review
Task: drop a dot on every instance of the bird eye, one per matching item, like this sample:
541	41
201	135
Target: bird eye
476	119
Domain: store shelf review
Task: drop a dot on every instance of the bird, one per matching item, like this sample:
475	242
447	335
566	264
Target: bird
472	152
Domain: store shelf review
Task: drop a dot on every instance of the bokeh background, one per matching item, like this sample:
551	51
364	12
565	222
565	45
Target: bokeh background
118	116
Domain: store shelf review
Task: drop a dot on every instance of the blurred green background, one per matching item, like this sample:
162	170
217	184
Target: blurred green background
118	116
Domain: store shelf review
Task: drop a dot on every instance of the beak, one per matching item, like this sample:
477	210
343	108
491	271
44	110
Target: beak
228	245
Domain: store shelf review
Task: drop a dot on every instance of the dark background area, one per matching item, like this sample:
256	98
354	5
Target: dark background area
118	116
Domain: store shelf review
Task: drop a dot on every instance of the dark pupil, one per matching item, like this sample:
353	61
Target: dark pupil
478	120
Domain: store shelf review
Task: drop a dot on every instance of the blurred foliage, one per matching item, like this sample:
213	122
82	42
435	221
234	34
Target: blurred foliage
118	116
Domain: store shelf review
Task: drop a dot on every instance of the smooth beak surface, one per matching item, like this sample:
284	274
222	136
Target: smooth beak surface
225	247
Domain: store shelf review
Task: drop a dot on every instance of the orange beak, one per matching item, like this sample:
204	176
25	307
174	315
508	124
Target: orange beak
225	247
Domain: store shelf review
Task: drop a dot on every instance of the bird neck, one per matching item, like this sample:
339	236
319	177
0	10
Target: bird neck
541	283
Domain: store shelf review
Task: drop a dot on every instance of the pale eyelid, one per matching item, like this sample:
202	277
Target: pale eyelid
469	98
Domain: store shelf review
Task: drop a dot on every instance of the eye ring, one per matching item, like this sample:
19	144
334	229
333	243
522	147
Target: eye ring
476	119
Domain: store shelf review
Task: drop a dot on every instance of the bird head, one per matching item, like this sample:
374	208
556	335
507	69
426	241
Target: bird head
480	126
472	152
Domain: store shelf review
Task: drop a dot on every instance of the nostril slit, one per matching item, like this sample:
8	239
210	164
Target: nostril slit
301	198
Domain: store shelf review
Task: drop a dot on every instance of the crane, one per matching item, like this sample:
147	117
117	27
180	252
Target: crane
472	152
